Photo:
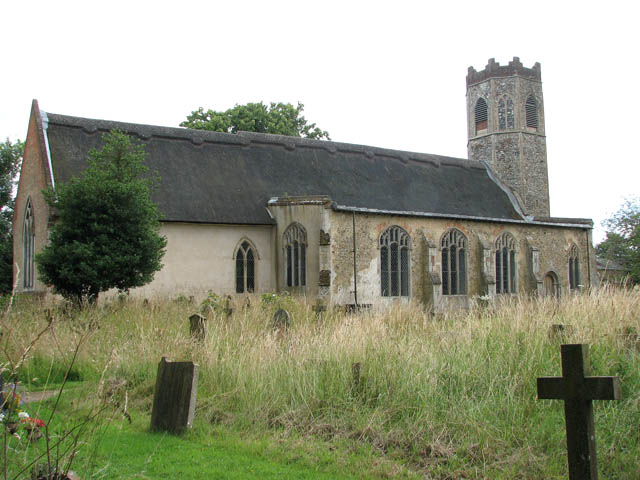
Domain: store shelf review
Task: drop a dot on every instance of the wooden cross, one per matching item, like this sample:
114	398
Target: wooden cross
577	389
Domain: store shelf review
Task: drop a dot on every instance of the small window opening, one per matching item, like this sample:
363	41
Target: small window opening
531	111
482	114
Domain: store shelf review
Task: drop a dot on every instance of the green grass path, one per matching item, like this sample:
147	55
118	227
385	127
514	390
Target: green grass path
132	452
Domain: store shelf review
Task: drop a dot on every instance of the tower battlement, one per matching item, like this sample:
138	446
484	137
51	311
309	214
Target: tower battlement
494	69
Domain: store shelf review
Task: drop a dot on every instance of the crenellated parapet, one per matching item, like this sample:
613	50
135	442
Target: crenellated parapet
494	70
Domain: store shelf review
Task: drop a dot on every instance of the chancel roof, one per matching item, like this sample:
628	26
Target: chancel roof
210	177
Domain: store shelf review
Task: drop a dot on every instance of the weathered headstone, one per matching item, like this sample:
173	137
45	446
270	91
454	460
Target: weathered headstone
197	326
319	308
281	320
228	311
559	331
578	389
174	399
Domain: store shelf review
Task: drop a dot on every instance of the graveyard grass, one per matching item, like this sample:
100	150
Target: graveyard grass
450	396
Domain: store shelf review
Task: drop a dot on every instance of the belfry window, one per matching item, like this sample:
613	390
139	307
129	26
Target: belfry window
245	269
505	114
395	245
531	111
454	263
481	114
574	268
28	242
505	264
295	244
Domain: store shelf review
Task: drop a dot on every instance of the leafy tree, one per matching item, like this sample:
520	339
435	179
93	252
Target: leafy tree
277	118
10	161
622	244
106	234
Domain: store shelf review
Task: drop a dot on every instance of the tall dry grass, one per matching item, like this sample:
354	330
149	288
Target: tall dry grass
452	394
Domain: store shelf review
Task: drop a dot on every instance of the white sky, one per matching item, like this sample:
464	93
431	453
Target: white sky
387	74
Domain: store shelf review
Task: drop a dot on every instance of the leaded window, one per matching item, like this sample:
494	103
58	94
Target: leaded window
531	111
574	268
28	242
395	245
505	114
505	264
295	244
454	263
245	268
481	114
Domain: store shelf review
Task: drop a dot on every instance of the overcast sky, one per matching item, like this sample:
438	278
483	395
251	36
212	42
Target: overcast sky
387	74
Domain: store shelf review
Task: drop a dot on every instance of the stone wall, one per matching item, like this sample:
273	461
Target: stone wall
551	244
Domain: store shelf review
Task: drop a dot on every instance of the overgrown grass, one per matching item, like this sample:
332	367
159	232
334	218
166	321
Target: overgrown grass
446	396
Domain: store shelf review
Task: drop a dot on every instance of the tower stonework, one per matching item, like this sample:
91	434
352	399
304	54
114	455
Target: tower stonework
505	121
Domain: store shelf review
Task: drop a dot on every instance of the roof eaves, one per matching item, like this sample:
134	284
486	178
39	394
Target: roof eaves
345	208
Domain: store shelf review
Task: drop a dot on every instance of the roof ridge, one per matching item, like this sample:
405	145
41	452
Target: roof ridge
243	138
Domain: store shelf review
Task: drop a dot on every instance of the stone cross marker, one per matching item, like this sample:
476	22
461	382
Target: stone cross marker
174	399
578	389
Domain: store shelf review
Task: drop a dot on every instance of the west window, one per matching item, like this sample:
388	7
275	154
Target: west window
505	264
454	263
245	268
28	242
574	268
395	262
295	245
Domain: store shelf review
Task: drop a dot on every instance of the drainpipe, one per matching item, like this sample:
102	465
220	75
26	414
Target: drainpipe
588	257
355	265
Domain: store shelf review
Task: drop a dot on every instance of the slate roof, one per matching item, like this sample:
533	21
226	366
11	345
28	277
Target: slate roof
212	177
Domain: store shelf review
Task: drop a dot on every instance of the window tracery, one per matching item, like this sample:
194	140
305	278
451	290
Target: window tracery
395	245
454	263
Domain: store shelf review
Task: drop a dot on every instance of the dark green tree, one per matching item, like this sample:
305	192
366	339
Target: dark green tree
277	118
106	234
622	244
10	161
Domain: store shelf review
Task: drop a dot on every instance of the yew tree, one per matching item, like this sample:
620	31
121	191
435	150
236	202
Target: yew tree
106	232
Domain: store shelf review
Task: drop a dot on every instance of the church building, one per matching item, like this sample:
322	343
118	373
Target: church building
339	223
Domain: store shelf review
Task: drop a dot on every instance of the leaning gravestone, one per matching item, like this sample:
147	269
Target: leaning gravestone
174	399
281	320
197	326
578	389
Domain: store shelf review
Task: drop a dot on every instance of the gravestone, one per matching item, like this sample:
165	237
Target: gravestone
559	331
174	399
197	326
319	308
578	389
281	320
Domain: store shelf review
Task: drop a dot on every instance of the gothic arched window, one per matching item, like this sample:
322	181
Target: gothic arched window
505	113
481	114
454	263
394	262
295	245
28	242
574	268
505	264
531	111
245	268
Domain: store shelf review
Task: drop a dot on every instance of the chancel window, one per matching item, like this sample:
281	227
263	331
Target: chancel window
505	264
531	112
245	268
454	263
505	113
295	244
574	268
28	242
481	114
394	262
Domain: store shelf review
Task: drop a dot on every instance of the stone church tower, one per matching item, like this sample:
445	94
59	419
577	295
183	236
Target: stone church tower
505	120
